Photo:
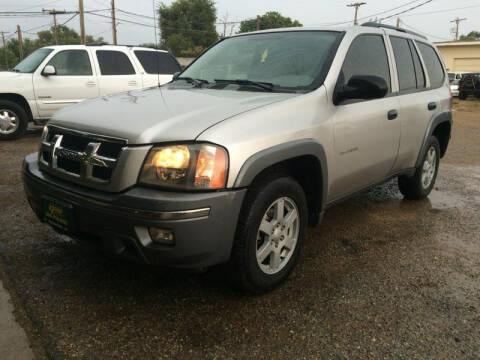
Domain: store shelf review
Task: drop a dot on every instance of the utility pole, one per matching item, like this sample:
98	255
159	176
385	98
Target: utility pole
114	24
398	22
54	13
20	42
4	49
356	6
457	23
82	22
258	23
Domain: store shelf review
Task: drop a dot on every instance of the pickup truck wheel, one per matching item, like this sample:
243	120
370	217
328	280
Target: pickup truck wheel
13	120
421	184
269	234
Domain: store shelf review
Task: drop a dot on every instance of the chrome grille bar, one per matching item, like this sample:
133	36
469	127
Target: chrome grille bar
84	161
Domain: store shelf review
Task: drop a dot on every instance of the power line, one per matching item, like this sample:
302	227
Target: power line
371	15
39	5
444	10
407	10
423	32
70	19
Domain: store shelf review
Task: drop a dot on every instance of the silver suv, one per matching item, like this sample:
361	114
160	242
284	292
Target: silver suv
232	160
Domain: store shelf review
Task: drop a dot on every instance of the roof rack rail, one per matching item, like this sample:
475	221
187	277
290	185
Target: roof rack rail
107	44
378	25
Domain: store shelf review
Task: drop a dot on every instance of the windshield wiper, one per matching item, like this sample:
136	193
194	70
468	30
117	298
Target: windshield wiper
196	82
259	84
15	70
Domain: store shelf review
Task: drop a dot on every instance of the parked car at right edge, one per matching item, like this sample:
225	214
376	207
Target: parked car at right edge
249	145
54	77
454	87
469	85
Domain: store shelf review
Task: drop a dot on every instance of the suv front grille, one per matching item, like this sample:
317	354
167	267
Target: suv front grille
79	155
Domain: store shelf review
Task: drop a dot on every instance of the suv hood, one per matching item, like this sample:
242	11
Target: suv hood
161	114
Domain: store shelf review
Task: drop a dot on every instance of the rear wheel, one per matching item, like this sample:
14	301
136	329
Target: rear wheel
13	120
270	234
421	184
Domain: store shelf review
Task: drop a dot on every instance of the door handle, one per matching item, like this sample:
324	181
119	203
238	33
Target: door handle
392	114
132	83
91	83
432	106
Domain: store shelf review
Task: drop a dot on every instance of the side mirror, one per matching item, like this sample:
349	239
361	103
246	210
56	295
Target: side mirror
364	87
49	70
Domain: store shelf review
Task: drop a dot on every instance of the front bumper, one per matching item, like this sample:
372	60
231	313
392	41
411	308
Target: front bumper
203	224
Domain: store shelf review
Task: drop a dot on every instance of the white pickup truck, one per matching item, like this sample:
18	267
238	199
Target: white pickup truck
57	76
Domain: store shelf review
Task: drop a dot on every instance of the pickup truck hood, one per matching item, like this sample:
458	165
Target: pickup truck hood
14	82
161	114
8	75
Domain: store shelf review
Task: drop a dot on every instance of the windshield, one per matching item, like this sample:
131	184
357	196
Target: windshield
31	62
291	60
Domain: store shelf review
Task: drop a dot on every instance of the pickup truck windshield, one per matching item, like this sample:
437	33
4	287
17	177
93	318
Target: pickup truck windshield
295	60
31	62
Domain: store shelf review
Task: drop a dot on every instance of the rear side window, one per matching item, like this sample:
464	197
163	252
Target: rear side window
433	65
419	73
114	63
155	62
367	56
404	61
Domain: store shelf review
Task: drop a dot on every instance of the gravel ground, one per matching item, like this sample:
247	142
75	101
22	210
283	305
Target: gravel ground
380	278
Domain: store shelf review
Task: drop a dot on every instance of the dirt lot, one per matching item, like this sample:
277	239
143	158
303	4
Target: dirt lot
380	278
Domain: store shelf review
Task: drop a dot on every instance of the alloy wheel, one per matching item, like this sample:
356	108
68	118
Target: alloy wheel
277	235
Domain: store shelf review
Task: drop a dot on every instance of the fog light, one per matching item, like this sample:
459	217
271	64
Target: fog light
161	236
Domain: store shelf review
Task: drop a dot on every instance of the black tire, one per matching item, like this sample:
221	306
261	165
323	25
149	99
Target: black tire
246	269
462	96
412	188
19	113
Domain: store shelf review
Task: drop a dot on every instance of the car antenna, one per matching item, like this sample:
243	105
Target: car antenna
157	55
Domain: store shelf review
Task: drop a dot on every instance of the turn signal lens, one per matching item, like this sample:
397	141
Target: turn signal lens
211	168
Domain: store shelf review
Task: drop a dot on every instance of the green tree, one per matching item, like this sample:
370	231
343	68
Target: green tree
270	20
472	35
66	36
188	26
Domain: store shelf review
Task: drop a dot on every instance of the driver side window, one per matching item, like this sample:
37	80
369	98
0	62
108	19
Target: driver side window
367	56
71	63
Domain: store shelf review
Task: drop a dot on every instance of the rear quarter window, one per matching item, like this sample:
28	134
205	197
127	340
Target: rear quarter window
154	62
433	64
114	63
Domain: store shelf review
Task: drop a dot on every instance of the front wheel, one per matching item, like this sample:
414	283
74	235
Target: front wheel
270	234
13	120
421	184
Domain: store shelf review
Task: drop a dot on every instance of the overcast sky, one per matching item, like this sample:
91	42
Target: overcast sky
308	12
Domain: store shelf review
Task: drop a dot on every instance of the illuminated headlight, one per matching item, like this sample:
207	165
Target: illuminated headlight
194	166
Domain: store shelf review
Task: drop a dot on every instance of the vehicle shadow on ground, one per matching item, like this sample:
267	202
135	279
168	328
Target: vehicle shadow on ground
355	226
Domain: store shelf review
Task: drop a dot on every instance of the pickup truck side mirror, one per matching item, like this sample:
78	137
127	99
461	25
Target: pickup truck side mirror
49	70
364	87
